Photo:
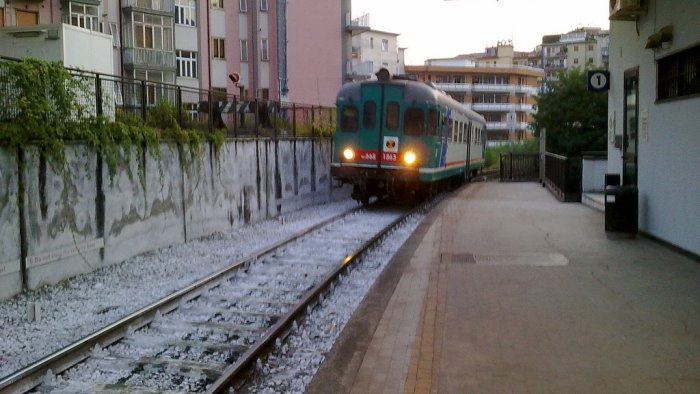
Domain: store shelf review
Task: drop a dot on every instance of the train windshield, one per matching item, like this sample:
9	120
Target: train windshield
369	115
349	118
413	121
432	121
392	115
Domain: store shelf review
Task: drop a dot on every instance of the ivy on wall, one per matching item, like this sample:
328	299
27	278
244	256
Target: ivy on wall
44	105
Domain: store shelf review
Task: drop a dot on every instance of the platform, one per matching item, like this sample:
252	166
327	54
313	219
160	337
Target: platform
504	289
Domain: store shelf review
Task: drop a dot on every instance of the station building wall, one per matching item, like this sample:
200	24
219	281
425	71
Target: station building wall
76	223
669	136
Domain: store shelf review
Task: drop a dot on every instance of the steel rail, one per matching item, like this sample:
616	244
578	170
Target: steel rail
32	376
232	375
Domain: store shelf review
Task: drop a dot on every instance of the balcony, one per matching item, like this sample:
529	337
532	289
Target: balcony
482	87
357	25
504	126
149	58
364	69
161	6
490	107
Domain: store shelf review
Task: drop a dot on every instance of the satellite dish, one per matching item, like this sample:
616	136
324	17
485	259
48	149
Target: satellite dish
234	77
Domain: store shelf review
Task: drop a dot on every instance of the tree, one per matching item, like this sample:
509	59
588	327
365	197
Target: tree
575	119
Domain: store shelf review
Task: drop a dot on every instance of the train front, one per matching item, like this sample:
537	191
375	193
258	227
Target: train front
380	142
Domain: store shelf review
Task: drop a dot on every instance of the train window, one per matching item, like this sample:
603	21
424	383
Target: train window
349	118
369	115
432	121
413	121
392	115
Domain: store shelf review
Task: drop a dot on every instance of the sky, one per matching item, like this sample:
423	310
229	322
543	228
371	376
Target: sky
447	28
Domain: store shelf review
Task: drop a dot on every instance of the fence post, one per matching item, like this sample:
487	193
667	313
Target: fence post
313	121
511	164
143	100
257	113
178	109
235	117
210	122
98	94
294	120
275	119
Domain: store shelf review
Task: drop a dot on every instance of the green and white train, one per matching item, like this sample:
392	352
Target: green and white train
401	137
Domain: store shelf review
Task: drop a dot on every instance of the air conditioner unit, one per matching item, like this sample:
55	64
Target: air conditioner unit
627	10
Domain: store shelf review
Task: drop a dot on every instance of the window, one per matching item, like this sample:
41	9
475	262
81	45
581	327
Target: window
218	50
432	121
83	15
153	31
369	115
575	48
186	12
392	115
244	50
679	74
349	118
217	3
114	32
371	43
263	5
413	121
186	64
590	47
25	18
590	60
576	61
264	50
243	5
385	45
2	17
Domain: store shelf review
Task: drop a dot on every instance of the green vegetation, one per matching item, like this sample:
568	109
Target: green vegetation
575	119
43	104
493	154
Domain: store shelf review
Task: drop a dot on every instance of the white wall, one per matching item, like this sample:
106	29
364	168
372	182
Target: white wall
668	162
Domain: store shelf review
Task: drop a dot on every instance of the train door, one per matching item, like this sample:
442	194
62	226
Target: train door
390	133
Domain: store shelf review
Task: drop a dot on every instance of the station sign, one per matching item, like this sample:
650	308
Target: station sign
598	80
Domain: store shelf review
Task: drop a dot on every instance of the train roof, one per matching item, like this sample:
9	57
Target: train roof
414	91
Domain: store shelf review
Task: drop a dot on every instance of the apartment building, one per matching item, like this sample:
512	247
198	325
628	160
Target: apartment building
197	44
496	83
373	50
578	48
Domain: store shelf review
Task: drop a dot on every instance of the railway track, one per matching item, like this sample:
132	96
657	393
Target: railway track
207	336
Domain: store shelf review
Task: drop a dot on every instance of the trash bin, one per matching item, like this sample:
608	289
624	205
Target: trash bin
621	209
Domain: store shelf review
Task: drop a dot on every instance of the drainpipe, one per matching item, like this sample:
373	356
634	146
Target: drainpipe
208	48
121	40
254	41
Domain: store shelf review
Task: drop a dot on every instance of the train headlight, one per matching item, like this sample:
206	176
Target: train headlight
348	154
409	158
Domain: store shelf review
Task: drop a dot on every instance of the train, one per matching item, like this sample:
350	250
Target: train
397	136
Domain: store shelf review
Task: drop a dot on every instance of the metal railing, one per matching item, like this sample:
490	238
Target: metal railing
109	95
149	57
156	5
563	177
520	167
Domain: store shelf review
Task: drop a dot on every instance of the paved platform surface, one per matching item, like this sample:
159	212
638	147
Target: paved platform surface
502	289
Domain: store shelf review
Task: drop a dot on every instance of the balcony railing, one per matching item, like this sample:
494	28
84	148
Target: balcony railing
363	68
155	5
489	107
504	126
483	87
149	57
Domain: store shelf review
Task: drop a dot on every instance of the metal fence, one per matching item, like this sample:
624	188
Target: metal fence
563	177
206	110
520	167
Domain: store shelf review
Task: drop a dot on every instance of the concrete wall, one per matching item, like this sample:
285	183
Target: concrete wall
668	162
81	220
593	174
10	254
